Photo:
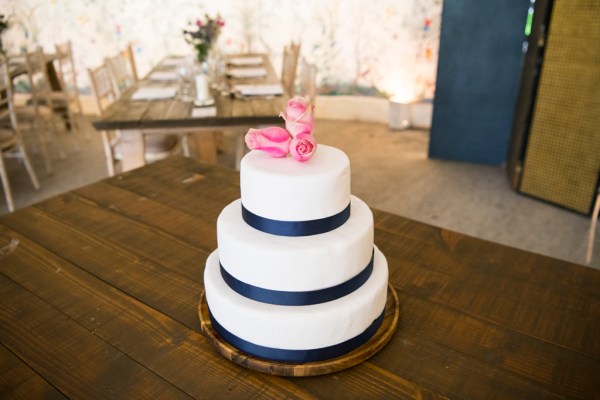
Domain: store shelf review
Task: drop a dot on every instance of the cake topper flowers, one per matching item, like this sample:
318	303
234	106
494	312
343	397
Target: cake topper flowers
296	139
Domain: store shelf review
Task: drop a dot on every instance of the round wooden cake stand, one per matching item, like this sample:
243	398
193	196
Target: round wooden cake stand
376	343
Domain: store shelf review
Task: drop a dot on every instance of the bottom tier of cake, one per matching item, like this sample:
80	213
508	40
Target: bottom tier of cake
297	333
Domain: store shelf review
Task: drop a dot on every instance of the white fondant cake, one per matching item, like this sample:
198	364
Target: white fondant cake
287	190
310	295
296	327
295	263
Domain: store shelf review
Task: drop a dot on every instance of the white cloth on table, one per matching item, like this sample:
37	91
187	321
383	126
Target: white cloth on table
247	72
154	93
204	112
245	60
259	90
163	76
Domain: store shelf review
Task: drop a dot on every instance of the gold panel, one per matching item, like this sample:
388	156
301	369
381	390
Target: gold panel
562	160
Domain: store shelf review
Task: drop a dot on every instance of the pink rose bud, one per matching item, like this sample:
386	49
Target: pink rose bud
303	146
274	141
298	116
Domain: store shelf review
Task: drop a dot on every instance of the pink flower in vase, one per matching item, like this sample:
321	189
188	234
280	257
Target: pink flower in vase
303	146
274	141
299	116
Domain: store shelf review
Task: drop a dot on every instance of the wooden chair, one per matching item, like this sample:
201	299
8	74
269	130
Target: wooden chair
156	147
39	109
121	75
10	136
67	100
288	69
308	81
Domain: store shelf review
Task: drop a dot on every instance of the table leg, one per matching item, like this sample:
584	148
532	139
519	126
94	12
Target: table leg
132	149
206	149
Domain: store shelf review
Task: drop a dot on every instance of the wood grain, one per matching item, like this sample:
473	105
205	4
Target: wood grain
127	114
100	289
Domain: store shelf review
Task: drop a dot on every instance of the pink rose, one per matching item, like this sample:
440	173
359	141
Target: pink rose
303	146
274	141
298	116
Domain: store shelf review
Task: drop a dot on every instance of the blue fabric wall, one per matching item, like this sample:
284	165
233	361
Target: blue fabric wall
477	80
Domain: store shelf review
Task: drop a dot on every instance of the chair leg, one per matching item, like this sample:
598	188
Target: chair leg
6	185
74	129
185	145
28	166
42	136
110	162
54	131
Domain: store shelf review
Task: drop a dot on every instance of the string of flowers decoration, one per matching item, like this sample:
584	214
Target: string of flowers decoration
296	139
202	34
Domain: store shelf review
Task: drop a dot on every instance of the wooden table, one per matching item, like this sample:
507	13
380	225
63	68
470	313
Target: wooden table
100	288
173	115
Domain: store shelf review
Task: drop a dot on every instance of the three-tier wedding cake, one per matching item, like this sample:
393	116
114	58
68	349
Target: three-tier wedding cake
296	276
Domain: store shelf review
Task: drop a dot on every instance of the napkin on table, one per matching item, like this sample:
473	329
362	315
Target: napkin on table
154	93
163	76
258	90
247	72
245	60
204	112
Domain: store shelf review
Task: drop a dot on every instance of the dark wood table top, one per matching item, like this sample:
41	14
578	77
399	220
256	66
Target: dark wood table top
100	288
250	111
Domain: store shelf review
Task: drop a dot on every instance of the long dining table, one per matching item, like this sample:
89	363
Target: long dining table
135	116
100	290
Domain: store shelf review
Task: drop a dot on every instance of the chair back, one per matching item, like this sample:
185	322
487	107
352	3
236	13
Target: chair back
308	81
7	111
121	76
288	69
67	74
102	86
37	76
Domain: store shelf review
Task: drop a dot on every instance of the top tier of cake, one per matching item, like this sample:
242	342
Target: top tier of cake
284	189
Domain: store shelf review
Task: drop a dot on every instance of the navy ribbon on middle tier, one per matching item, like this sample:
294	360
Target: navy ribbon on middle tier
296	228
285	298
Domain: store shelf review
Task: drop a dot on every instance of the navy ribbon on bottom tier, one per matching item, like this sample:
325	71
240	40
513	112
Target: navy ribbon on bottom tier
297	356
305	298
296	228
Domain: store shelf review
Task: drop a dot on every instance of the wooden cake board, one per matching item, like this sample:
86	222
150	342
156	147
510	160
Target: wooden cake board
358	355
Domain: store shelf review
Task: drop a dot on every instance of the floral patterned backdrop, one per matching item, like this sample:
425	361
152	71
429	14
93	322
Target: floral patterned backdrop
369	47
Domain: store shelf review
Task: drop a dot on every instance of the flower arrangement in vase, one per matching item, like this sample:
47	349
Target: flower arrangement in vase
203	34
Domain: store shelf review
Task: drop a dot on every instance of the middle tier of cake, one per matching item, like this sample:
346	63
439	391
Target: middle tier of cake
296	264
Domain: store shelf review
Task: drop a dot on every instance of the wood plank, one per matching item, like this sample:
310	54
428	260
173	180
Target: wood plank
499	298
19	381
521	264
166	347
167	290
451	373
82	365
552	367
199	231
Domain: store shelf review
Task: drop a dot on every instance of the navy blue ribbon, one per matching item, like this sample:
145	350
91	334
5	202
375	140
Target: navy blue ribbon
305	298
296	228
297	356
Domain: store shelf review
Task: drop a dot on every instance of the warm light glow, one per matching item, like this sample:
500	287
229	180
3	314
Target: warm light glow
401	88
